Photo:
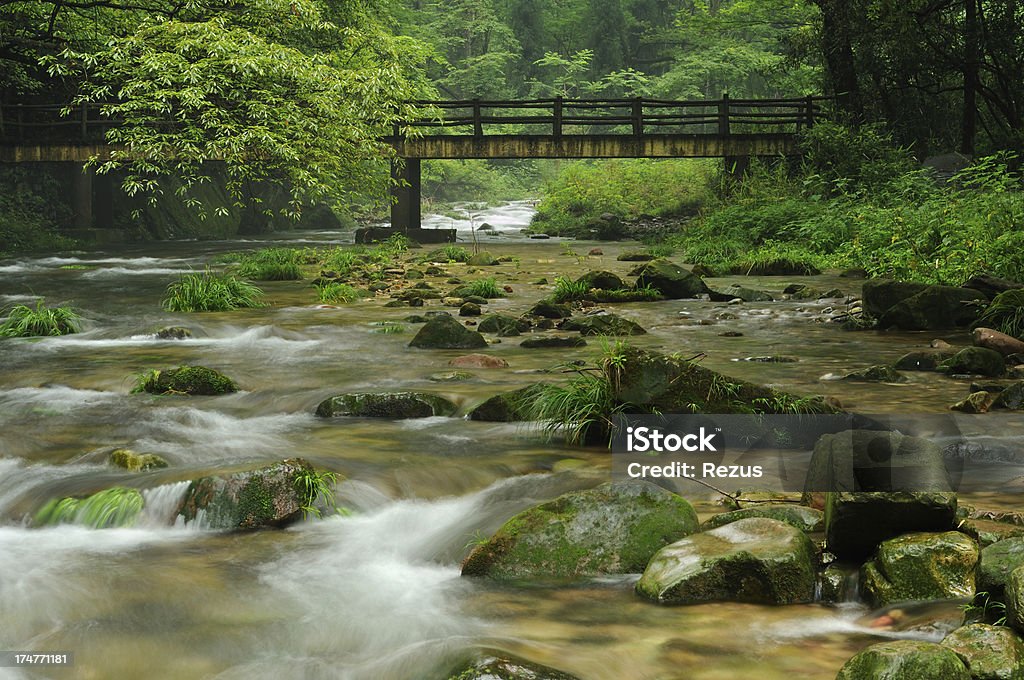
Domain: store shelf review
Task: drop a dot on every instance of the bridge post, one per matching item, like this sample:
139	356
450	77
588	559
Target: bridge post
81	195
405	193
556	124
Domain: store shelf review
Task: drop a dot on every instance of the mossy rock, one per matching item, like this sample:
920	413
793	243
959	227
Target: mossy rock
268	497
602	324
552	342
975	361
875	374
507	407
634	256
989	652
975	402
482	259
444	332
989	532
507	668
856	522
879	295
934	308
832	582
799	516
1013	596
173	333
550	310
670	279
776	266
603	280
612	529
745	294
470	309
1011	398
192	380
997	562
396	405
135	462
505	326
757	560
905	660
922	566
451	376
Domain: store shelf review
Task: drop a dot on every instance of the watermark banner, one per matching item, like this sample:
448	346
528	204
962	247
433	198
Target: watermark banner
819	453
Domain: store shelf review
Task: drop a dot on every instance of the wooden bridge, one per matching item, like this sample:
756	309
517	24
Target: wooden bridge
733	129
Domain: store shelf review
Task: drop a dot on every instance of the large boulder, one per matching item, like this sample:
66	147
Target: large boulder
550	310
397	405
905	660
444	332
879	295
193	380
990	652
271	496
737	291
506	407
921	566
670	279
503	325
603	280
1000	342
1011	397
921	360
1013	596
934	308
552	342
602	324
799	516
975	361
756	560
482	259
997	562
612	529
857	522
990	285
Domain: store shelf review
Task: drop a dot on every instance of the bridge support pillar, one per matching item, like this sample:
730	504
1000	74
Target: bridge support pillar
81	196
405	192
737	166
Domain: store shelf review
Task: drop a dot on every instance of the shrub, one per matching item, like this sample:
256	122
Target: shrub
24	321
210	292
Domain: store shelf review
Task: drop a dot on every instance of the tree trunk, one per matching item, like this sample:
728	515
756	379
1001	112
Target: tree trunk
969	122
837	46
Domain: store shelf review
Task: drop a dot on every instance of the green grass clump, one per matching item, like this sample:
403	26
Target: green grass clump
334	292
316	490
25	322
567	290
582	411
1005	313
116	507
641	294
210	292
449	253
485	288
270	271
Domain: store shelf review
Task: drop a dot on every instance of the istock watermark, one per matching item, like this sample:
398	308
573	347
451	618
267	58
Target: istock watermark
819	453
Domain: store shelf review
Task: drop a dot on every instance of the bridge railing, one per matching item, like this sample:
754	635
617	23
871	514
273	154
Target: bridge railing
637	116
38	123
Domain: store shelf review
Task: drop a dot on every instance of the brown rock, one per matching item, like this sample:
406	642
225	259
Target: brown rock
1000	342
478	361
976	402
595	252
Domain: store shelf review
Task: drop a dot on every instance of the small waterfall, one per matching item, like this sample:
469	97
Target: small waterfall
160	504
851	589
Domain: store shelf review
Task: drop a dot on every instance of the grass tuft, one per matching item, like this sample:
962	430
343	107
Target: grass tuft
25	322
210	292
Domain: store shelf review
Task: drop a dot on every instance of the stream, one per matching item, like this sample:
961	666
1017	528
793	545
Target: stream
375	595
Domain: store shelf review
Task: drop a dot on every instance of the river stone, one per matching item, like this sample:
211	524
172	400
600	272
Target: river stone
602	324
1012	397
905	660
975	361
507	407
194	380
444	332
396	405
879	295
997	562
991	285
990	652
799	516
602	279
478	361
1014	598
550	310
612	529
832	581
746	294
634	256
999	342
988	532
135	462
552	342
857	522
922	566
935	307
670	279
505	668
922	360
173	333
482	259
505	326
875	374
758	560
451	376
469	309
975	402
270	496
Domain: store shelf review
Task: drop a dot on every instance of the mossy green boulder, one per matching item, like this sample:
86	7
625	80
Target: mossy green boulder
855	523
612	529
1013	596
396	405
135	462
875	374
507	668
503	325
989	532
905	660
192	380
975	361
603	280
757	560
1011	398
997	561
921	566
602	324
799	516
932	308
444	332
989	652
270	496
506	407
670	279
482	259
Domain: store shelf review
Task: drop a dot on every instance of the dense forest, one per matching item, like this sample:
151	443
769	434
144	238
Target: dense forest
309	87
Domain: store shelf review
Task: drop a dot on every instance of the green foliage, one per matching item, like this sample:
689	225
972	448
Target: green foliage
25	322
567	290
335	292
210	292
264	269
31	207
449	253
1005	313
115	507
584	190
854	160
485	288
184	380
316	489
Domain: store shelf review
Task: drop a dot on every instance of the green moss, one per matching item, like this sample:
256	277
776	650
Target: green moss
115	507
195	380
135	462
255	503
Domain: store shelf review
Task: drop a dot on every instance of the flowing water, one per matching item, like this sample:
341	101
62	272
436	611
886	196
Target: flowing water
377	594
